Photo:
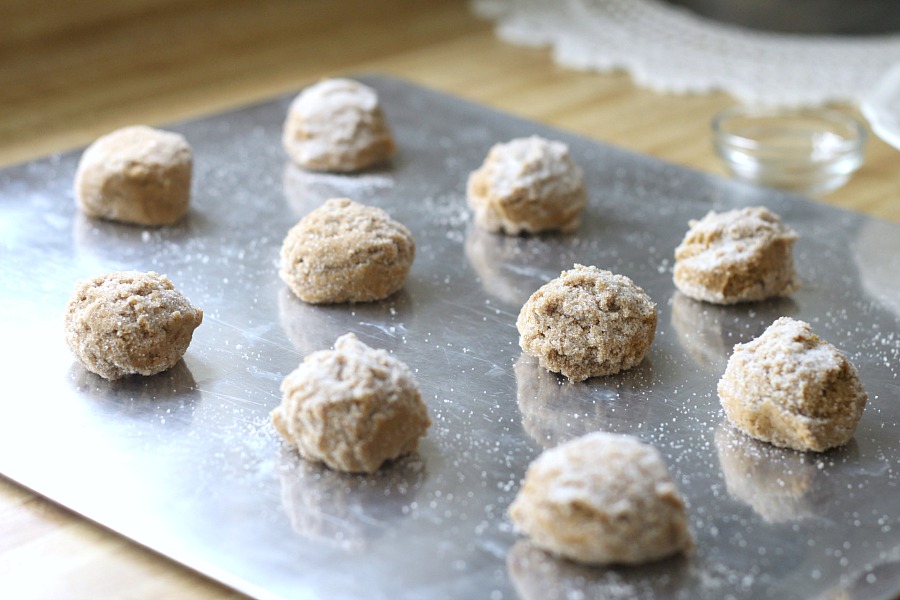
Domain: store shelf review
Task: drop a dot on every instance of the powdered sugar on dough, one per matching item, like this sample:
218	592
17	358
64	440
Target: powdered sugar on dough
337	125
736	256
352	408
527	185
602	498
137	175
792	389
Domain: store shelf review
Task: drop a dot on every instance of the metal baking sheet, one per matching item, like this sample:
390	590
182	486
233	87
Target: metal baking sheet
186	462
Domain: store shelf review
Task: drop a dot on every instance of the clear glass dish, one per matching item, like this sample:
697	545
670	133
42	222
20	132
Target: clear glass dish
881	106
808	151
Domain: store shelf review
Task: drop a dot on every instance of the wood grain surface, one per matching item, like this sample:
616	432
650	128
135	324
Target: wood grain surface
70	72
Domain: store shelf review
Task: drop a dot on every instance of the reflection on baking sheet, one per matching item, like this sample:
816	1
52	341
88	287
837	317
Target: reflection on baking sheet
537	575
779	484
172	393
343	509
384	323
511	268
555	410
490	254
877	580
876	251
122	243
305	190
708	332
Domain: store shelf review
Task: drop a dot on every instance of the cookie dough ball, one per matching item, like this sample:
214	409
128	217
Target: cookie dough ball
337	125
352	408
137	175
792	389
128	322
346	252
602	498
736	256
587	323
527	185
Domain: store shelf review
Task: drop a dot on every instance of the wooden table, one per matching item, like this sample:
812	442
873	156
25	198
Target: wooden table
67	76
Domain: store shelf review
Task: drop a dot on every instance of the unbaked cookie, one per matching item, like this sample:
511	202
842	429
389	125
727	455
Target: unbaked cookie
792	389
587	323
337	125
736	256
602	498
137	175
527	185
352	408
128	322
346	252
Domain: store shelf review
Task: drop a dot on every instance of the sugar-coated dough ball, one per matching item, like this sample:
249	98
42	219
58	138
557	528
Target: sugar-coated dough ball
352	408
527	185
337	125
346	252
587	323
602	498
129	322
792	389
137	175
736	256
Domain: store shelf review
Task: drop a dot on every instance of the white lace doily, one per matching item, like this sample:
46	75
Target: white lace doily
670	49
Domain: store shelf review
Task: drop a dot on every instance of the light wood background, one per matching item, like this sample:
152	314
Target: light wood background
70	71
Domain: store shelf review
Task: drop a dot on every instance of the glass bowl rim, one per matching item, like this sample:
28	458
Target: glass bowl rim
852	137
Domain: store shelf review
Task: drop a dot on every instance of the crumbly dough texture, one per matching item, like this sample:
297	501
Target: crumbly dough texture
602	498
346	252
736	256
792	389
527	185
129	322
137	175
587	323
337	125
352	408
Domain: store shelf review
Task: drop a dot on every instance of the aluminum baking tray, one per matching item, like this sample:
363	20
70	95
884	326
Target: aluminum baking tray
187	464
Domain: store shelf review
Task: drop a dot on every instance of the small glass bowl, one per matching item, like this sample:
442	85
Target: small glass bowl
809	151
